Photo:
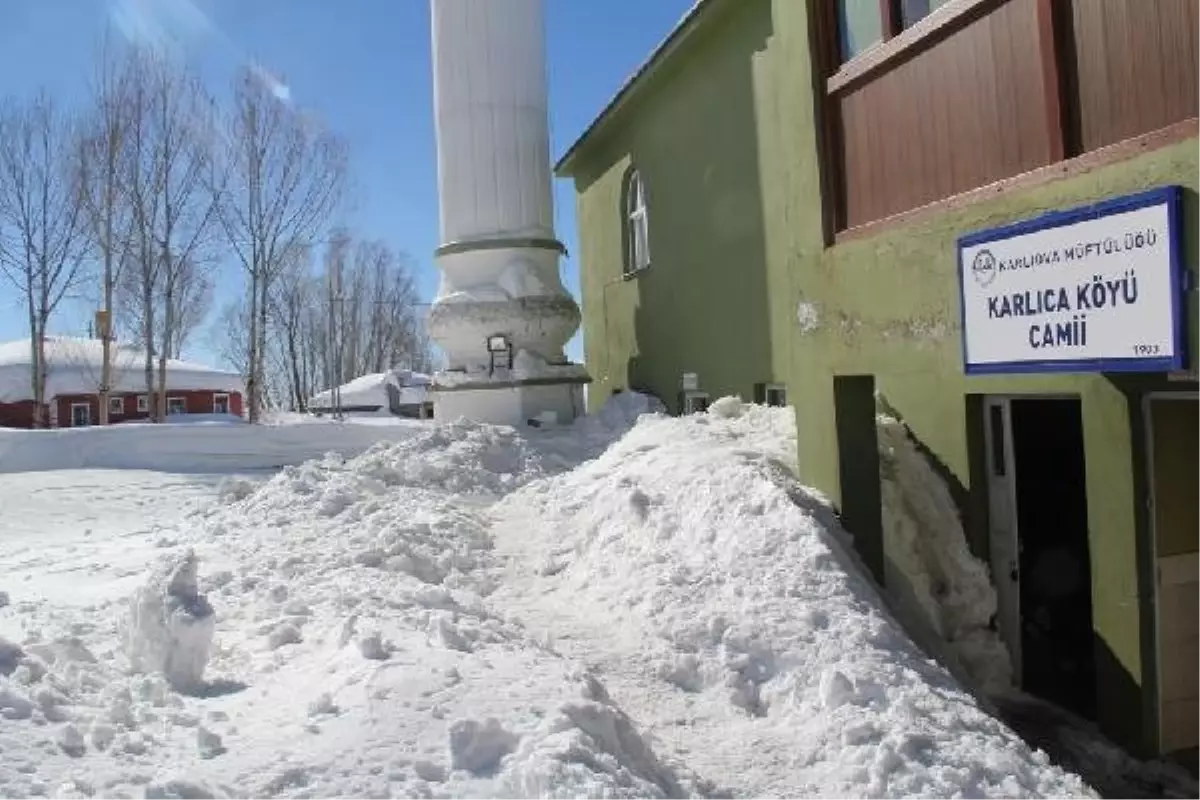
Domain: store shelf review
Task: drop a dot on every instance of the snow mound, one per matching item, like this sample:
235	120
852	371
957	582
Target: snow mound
355	652
171	625
724	596
950	588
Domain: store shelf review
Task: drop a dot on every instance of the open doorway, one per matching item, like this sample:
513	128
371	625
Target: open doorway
1039	546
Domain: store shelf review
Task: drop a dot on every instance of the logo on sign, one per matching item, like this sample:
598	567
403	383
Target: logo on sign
984	267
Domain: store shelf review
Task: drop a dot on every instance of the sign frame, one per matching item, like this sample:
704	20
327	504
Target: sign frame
1170	196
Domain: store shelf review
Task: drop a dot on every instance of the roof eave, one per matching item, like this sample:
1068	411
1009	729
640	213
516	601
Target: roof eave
672	42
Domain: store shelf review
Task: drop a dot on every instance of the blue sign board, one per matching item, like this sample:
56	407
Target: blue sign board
1093	289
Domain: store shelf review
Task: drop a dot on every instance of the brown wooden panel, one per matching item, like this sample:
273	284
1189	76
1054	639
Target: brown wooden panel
967	111
1135	67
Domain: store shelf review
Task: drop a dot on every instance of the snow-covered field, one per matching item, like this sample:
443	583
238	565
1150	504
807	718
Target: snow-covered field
471	611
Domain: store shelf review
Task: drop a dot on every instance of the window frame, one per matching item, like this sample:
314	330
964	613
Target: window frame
143	404
763	393
228	404
892	24
116	406
635	222
176	399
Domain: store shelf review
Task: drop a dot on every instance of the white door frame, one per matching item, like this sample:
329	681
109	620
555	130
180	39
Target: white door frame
1007	505
1004	556
86	407
1148	433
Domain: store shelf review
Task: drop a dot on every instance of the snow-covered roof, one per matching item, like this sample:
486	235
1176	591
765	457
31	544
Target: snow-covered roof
371	390
73	367
672	40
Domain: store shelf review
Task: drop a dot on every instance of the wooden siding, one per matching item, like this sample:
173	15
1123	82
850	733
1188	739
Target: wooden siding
197	402
986	90
1134	67
969	110
18	414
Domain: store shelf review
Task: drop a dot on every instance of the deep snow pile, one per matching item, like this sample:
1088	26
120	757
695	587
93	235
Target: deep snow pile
676	617
714	596
933	575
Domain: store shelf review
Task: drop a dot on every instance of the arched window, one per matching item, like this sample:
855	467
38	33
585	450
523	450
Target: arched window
637	225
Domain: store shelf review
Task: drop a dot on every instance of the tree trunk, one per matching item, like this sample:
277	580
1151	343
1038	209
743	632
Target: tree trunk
40	402
36	352
294	361
106	337
105	376
148	338
165	348
252	387
262	342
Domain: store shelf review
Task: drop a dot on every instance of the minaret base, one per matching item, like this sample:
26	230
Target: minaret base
506	401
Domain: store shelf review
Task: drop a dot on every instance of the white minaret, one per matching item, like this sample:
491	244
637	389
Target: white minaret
501	315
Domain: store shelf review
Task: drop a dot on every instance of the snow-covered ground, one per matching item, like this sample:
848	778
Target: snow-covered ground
472	611
70	539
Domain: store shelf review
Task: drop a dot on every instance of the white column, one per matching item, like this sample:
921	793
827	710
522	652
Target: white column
490	109
499	258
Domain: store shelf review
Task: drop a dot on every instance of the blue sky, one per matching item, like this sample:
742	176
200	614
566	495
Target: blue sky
362	65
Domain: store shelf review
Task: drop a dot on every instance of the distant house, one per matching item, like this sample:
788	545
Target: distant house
400	393
73	382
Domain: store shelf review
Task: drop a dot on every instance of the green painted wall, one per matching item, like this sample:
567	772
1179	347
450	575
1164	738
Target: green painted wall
888	306
725	137
702	306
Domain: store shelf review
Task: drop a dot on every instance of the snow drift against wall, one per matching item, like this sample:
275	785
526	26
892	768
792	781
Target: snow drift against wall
932	574
719	600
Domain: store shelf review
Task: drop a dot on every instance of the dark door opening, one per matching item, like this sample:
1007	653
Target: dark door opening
858	467
1055	589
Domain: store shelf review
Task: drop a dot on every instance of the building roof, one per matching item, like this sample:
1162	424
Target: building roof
668	45
371	391
73	367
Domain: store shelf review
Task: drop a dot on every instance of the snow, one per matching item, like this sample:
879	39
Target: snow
185	445
170	626
714	595
607	609
73	367
932	575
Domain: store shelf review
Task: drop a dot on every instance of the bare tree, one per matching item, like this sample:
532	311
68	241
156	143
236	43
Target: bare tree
189	175
172	181
356	315
290	302
143	188
99	158
41	231
286	179
193	298
378	324
227	336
